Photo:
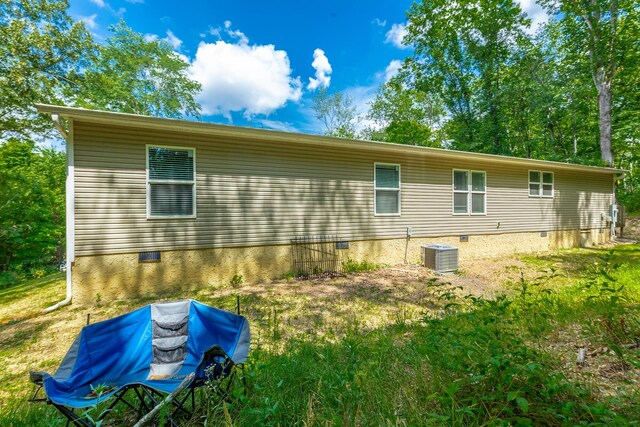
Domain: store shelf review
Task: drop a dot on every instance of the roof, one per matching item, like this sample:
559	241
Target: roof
268	135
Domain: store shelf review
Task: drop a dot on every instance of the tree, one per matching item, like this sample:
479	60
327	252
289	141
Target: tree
460	50
405	116
31	205
596	28
41	54
337	113
134	75
46	57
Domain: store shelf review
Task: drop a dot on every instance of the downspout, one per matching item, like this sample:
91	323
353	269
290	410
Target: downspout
70	220
614	203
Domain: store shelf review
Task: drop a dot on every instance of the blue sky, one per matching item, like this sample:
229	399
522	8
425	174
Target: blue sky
262	61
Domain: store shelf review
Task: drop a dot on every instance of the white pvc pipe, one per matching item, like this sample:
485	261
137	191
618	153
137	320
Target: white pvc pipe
70	223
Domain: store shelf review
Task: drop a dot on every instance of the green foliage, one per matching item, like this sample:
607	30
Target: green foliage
405	116
337	113
503	91
32	214
133	75
236	280
353	266
460	52
42	54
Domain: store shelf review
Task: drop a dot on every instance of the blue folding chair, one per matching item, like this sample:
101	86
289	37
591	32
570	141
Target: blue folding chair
149	352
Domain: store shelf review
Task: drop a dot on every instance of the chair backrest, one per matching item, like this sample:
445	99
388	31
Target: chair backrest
169	334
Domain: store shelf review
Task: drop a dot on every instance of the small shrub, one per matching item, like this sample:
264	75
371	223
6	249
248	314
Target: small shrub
8	279
352	266
237	280
38	273
288	276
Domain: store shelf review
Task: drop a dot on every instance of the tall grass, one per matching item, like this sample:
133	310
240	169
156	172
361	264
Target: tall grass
477	362
470	362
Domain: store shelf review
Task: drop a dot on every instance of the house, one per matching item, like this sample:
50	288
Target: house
207	202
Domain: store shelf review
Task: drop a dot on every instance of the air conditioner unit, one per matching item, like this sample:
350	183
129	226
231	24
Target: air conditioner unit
441	258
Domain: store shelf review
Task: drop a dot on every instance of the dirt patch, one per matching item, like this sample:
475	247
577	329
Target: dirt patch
605	373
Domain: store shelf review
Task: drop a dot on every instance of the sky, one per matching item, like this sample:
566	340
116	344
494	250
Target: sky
261	62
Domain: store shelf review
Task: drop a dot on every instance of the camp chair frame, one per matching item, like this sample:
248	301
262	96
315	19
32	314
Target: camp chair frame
141	396
219	368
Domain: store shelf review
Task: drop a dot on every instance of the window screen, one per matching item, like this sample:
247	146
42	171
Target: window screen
387	189
540	184
171	182
469	192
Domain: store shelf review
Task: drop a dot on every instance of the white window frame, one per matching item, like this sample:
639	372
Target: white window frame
469	192
376	188
541	184
170	181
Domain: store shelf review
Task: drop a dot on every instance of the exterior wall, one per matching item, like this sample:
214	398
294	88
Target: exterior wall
251	193
120	275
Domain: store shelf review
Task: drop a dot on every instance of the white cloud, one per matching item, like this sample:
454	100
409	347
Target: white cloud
535	12
173	40
323	70
215	31
379	23
392	69
237	34
239	77
89	21
150	37
278	125
99	3
395	35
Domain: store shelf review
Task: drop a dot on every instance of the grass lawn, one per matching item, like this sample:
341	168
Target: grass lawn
495	344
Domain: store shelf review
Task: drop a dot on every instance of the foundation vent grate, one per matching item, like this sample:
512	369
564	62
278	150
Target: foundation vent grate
149	256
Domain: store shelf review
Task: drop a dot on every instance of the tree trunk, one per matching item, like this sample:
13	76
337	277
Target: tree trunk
604	106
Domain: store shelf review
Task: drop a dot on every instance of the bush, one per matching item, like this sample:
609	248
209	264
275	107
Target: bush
8	279
352	266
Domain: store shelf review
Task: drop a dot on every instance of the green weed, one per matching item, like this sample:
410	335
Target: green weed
352	266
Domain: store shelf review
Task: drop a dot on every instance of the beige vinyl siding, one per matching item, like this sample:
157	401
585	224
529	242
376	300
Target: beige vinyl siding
257	193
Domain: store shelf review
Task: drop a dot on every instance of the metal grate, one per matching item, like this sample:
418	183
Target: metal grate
149	256
315	256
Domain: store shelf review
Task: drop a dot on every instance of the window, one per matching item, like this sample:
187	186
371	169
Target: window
469	192
171	185
540	184
387	189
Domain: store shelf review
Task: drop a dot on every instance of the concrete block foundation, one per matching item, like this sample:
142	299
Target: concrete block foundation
108	277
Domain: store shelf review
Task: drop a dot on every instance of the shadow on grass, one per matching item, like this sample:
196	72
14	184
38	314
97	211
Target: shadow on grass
25	289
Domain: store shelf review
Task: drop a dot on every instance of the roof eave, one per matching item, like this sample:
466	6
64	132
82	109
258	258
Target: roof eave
177	125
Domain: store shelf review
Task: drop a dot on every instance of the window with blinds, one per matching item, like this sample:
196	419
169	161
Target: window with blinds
171	186
540	184
387	189
469	192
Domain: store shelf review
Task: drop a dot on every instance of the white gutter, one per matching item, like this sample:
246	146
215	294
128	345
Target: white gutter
268	136
70	217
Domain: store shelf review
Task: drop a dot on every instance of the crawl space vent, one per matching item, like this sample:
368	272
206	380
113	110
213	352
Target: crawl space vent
440	258
149	256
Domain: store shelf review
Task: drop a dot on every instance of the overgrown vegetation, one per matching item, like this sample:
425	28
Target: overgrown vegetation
32	216
353	266
445	358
